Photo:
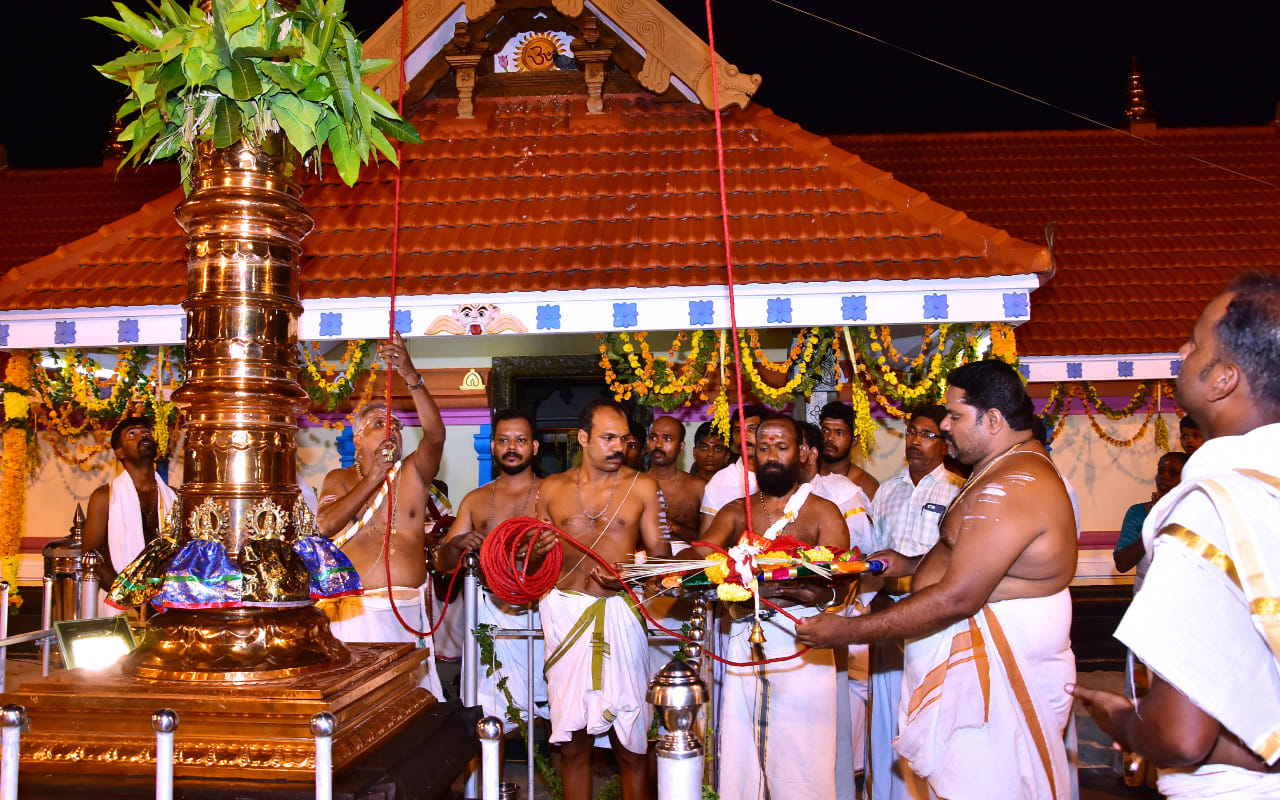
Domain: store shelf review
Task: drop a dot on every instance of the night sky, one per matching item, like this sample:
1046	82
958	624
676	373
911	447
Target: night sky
1205	64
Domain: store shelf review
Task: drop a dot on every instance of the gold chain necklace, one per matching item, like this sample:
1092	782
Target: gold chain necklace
974	478
493	488
617	477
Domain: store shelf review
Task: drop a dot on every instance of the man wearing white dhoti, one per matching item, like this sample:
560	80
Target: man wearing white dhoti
513	493
780	729
125	514
597	654
974	721
1206	621
354	513
908	509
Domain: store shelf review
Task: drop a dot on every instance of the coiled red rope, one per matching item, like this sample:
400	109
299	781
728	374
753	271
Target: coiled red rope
511	580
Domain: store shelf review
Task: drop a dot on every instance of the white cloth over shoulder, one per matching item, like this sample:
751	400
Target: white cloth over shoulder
369	617
124	518
853	504
1215	572
1219	782
984	709
513	655
778	722
725	487
597	667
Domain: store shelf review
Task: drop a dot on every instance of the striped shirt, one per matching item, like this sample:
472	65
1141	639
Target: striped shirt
907	515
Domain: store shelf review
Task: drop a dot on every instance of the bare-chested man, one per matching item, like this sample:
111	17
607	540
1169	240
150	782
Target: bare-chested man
597	672
710	452
779	721
681	492
124	515
514	493
988	622
836	421
353	512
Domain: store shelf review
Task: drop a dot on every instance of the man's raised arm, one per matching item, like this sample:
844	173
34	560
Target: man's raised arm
426	458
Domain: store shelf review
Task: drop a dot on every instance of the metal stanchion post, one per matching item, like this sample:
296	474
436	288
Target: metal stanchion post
46	622
322	727
164	722
13	720
470	649
530	701
489	730
677	693
88	582
4	631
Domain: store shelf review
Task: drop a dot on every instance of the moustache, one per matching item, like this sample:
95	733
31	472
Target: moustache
614	457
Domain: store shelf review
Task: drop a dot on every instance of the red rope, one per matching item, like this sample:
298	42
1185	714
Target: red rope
515	585
391	324
728	261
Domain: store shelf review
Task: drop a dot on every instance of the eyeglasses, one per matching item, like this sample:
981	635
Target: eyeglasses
928	436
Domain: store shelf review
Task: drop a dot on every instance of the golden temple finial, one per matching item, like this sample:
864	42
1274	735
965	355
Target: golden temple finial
1139	112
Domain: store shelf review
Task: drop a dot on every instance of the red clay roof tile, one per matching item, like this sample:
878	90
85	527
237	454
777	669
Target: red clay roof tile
535	194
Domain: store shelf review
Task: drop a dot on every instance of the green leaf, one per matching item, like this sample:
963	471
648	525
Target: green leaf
197	67
144	130
240	17
318	90
239	80
371	65
341	85
298	119
398	129
226	123
278	54
126	108
174	14
379	103
129	61
383	146
131	26
344	157
282	76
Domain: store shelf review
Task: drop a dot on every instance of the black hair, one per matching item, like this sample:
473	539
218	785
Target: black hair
931	411
637	430
1176	455
588	413
1188	423
1249	335
754	410
510	413
837	410
702	432
127	423
812	435
989	384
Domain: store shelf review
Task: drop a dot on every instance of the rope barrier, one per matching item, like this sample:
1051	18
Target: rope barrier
514	584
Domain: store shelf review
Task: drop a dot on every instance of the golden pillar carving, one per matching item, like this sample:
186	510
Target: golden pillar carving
244	226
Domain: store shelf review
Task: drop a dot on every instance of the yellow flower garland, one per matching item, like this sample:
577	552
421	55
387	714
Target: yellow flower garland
13	469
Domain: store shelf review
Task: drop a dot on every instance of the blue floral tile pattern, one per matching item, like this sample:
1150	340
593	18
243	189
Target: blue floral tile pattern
624	315
330	323
64	332
127	331
779	309
404	321
548	317
1016	304
935	306
702	312
1074	370
853	307
1124	369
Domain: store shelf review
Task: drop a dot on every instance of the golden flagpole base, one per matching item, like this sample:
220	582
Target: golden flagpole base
99	723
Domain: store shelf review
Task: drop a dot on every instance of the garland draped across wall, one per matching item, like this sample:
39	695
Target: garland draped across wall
1152	394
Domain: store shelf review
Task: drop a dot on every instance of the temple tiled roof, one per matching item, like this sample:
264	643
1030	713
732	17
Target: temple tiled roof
41	210
1145	232
534	194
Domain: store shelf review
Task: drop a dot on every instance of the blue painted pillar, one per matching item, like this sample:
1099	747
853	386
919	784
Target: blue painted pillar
347	447
484	454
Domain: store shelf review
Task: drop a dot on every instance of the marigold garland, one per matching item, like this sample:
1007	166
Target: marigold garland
13	465
329	384
864	425
632	371
804	363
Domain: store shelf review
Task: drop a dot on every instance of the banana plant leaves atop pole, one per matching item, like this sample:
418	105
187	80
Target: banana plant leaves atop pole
232	70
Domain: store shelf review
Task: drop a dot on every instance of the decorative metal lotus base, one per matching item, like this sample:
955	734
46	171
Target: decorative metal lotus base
235	645
98	724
